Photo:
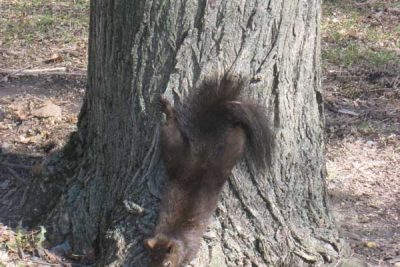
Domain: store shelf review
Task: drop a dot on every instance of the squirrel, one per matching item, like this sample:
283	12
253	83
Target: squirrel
202	139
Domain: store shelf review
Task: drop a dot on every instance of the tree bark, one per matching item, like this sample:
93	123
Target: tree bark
138	50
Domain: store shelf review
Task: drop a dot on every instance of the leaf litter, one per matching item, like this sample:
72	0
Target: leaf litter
362	106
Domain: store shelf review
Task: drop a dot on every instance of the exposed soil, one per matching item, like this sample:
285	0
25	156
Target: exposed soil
363	174
27	139
362	99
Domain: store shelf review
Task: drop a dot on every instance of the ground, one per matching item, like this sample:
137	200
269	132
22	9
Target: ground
361	80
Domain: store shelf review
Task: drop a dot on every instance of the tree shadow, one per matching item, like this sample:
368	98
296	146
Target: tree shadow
16	171
372	230
25	140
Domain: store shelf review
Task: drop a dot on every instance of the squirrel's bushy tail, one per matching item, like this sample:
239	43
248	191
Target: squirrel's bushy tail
218	104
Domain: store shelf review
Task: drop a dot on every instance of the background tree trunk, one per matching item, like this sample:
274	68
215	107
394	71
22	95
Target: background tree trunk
141	49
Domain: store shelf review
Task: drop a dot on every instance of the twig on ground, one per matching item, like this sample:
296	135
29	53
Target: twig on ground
348	112
46	263
13	72
13	165
46	71
16	175
2	50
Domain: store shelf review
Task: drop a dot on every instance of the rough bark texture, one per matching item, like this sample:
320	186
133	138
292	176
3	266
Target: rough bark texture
141	49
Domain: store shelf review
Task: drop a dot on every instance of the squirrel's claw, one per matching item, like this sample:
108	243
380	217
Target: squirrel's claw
167	108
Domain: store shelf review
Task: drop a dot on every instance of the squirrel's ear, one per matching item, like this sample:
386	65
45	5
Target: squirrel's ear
150	243
170	246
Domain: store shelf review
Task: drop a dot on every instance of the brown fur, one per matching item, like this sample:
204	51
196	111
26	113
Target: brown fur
201	142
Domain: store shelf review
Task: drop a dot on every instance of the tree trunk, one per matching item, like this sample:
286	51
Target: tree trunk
139	50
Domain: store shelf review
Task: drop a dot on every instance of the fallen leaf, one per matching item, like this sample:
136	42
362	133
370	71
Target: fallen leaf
51	257
19	110
24	140
54	58
37	170
395	261
5	184
62	250
4	256
5	148
73	119
48	110
371	244
3	126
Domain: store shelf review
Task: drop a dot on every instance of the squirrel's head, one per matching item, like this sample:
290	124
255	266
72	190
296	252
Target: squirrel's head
164	251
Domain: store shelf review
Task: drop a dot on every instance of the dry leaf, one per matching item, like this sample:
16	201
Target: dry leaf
73	119
37	170
48	110
54	58
24	140
51	257
371	245
3	126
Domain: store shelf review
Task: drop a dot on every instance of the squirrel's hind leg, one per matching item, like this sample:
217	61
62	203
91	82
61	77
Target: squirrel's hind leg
234	145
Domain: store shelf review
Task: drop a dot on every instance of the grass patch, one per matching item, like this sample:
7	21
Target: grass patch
343	27
347	20
45	22
21	239
27	21
360	35
355	54
32	31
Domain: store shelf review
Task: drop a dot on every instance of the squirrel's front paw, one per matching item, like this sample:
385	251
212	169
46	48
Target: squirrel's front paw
166	107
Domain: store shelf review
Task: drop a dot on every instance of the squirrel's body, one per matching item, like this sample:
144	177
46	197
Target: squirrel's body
201	141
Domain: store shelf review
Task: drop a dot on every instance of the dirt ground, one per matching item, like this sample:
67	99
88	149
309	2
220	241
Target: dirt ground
363	165
361	63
